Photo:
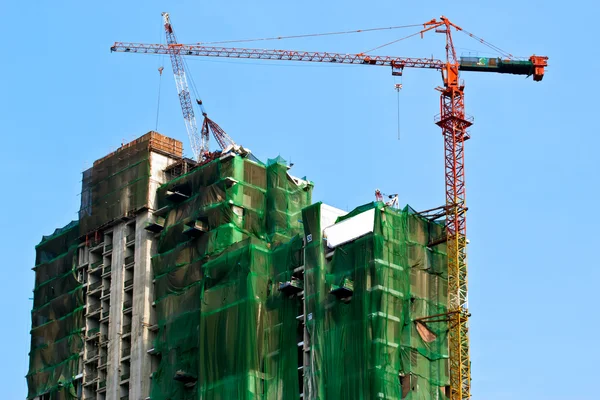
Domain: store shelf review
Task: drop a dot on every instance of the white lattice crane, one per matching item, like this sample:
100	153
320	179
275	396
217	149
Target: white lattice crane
199	140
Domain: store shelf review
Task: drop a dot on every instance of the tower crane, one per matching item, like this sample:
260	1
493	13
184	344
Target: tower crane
198	141
454	124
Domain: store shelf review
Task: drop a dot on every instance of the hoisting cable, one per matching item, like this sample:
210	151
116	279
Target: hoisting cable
192	84
161	68
398	87
160	71
311	35
206	128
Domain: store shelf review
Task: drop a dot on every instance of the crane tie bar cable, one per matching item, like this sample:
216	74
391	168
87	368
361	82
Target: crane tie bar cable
311	35
392	42
491	46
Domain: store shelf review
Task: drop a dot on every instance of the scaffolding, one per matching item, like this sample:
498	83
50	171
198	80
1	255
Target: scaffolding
117	185
257	293
363	302
231	231
57	322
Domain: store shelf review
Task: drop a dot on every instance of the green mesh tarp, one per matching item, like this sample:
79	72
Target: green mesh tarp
224	328
369	347
225	331
57	317
285	200
114	186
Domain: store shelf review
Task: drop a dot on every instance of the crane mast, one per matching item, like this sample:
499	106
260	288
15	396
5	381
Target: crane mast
198	142
454	124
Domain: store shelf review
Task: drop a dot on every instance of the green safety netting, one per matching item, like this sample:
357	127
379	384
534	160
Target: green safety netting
115	185
57	317
224	330
370	347
286	197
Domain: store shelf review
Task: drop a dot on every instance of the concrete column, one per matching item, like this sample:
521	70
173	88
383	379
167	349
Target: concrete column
113	374
141	340
143	293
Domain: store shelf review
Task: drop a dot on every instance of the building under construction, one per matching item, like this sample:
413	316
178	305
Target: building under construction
224	281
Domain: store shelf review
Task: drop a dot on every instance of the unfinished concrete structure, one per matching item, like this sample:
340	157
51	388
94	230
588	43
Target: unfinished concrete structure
109	286
224	281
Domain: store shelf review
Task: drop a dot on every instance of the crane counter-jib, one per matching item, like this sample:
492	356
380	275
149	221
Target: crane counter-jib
503	66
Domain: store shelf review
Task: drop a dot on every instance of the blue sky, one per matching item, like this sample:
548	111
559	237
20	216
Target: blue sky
531	164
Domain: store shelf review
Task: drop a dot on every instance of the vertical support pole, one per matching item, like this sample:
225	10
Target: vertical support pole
454	126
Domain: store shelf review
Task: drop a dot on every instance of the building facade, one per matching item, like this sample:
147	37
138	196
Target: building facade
225	281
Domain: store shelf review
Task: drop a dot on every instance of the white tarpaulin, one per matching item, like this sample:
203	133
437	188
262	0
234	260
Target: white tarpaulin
329	215
350	229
